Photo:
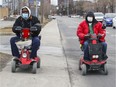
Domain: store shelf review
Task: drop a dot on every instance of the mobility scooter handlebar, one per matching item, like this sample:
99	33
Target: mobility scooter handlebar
25	33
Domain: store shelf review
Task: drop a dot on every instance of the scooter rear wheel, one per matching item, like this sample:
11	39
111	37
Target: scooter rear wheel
80	65
38	64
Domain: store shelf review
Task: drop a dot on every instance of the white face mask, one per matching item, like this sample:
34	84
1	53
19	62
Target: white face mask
90	19
25	16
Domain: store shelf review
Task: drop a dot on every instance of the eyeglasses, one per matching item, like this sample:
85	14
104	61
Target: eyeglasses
25	12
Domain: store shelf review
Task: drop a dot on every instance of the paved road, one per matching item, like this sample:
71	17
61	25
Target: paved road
72	52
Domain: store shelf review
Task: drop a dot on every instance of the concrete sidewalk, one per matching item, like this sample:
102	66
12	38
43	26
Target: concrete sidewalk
53	71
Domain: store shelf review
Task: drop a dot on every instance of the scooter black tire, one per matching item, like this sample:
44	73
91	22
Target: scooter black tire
34	68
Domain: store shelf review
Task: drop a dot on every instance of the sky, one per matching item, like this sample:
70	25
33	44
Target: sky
0	2
54	2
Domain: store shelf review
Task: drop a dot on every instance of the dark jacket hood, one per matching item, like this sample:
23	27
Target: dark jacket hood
90	14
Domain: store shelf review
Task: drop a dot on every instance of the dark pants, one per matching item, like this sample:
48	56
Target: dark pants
86	49
35	47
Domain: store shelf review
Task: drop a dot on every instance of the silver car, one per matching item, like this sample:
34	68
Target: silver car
99	16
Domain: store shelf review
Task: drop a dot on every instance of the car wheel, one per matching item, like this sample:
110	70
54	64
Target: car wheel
114	27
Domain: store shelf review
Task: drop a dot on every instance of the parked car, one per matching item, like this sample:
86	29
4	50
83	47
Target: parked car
114	22
99	16
74	16
108	19
51	17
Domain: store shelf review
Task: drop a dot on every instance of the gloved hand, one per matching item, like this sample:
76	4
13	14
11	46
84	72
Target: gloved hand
87	36
33	29
18	28
99	35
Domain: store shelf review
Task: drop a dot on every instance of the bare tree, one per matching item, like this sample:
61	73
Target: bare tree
79	7
104	5
112	5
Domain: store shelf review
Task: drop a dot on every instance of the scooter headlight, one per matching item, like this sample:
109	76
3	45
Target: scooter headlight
97	56
94	56
24	55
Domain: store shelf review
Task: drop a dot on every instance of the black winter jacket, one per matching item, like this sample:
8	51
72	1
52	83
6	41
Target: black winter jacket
32	21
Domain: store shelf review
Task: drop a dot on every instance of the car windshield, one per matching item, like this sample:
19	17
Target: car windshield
110	15
98	14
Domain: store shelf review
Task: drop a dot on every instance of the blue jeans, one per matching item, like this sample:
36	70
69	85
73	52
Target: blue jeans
35	47
86	49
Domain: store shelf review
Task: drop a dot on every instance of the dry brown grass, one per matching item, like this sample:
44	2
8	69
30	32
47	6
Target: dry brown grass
4	59
6	30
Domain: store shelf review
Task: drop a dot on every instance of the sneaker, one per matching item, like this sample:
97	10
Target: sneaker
32	59
15	58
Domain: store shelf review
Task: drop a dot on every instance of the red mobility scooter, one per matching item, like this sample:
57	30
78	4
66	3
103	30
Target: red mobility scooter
97	57
24	46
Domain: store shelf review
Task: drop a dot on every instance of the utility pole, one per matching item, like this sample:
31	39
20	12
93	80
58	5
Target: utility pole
9	8
67	7
36	10
42	10
19	7
13	7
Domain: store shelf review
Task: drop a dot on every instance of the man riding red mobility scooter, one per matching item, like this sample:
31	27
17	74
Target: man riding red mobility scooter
97	57
24	45
27	28
91	35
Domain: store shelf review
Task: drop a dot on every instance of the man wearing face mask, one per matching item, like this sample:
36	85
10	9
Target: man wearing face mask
90	26
26	20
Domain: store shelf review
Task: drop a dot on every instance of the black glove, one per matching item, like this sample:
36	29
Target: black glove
99	35
87	36
18	29
33	29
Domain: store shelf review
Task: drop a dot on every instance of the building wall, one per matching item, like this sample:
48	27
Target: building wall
3	12
115	6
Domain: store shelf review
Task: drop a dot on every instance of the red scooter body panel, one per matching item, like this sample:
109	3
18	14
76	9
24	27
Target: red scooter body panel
93	62
25	33
26	60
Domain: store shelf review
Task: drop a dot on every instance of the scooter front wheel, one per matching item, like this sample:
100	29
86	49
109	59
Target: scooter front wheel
34	68
13	66
84	69
105	69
